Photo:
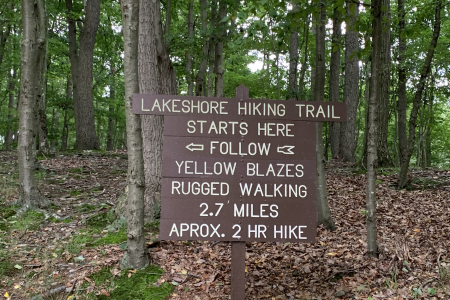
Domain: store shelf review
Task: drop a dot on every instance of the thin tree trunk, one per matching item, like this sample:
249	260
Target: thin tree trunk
33	48
384	159
211	50
81	61
323	208
218	65
65	131
136	257
305	60
335	68
41	100
190	22
111	119
11	90
371	188
402	180
402	136
293	56
200	80
351	80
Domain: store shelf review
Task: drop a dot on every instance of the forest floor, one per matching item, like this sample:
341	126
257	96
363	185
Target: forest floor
73	250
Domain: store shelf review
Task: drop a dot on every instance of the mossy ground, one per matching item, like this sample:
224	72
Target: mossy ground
129	284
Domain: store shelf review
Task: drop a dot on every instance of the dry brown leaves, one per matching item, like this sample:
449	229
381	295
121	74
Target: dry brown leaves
413	226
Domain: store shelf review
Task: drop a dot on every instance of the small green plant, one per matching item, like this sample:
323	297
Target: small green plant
75	193
431	291
364	212
416	292
6	266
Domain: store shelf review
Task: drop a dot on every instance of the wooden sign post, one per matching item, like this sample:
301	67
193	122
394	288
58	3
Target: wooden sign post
238	170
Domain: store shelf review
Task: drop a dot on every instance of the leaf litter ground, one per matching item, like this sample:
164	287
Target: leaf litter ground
75	248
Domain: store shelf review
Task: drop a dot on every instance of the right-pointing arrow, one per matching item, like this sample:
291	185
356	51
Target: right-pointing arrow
285	149
194	147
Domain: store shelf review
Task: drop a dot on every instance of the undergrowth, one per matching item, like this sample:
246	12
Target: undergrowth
129	284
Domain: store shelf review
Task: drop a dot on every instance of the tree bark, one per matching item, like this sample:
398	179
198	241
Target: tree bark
402	107
304	62
190	22
200	79
351	80
293	56
402	180
81	63
372	124
335	68
33	41
218	65
65	131
323	208
167	37
41	99
11	89
384	159
136	252
111	119
156	76
211	50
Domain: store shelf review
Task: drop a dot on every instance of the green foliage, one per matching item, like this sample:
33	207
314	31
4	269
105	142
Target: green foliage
112	238
6	265
131	284
27	221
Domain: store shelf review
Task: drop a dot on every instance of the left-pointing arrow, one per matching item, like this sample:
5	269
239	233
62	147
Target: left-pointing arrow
194	147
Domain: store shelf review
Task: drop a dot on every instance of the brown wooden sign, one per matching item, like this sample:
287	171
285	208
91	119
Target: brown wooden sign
226	108
238	169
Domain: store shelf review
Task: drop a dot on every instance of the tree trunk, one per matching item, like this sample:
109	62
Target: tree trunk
136	257
200	80
293	56
190	22
323	208
384	159
65	131
335	68
218	65
81	63
371	200
156	76
167	37
304	62
111	119
33	48
402	107
41	101
10	127
402	180
211	50
351	80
